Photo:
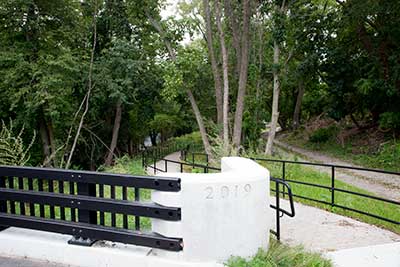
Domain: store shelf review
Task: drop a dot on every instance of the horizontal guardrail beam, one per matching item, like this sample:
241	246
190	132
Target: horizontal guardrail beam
92	203
92	231
150	182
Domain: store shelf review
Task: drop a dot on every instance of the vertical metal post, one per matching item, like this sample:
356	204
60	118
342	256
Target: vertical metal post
333	187
137	218
278	218
84	216
207	159
166	165
283	178
143	160
181	167
193	158
3	204
155	164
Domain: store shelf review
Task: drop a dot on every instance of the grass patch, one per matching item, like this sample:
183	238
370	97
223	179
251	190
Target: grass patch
386	157
127	165
280	255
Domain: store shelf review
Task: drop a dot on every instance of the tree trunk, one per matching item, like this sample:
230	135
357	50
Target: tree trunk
94	22
153	138
235	32
275	102
214	65
45	142
244	62
297	108
200	122
114	139
225	69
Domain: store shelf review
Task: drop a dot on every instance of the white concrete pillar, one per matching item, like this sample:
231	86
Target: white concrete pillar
223	214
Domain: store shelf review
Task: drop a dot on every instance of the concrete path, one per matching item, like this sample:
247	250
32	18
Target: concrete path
22	262
322	231
387	255
385	185
170	166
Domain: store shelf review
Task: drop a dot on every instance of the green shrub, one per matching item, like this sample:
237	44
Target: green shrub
322	135
390	120
281	255
12	148
192	140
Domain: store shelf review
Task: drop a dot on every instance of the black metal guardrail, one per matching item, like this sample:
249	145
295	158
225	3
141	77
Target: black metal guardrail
78	203
206	169
332	188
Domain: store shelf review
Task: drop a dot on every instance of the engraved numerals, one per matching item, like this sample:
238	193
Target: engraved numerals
224	192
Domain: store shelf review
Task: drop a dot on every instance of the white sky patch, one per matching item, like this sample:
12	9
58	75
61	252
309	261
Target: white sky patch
171	10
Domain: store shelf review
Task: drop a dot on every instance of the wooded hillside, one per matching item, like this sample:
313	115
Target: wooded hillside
89	80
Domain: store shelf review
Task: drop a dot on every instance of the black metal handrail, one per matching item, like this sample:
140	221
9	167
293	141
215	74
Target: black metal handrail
332	187
277	207
38	198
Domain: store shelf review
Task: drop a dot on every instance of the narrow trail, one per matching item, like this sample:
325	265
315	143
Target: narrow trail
169	166
384	185
315	229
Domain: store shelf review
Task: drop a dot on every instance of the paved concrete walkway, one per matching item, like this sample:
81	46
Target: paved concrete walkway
166	166
22	262
387	255
322	231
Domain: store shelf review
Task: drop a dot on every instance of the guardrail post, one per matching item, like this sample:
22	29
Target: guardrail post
85	216
137	218
3	204
333	187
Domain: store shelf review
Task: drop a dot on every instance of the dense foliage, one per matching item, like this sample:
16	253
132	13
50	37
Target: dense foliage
95	78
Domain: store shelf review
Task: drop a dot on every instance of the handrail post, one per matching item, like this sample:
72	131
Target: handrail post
155	164
3	204
85	216
284	177
278	218
137	218
166	165
333	187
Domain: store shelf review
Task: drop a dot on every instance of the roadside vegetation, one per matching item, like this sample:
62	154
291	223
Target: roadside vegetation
370	148
280	255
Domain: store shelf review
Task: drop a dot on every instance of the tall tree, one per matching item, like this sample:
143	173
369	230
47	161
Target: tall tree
213	61
225	71
244	64
280	13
